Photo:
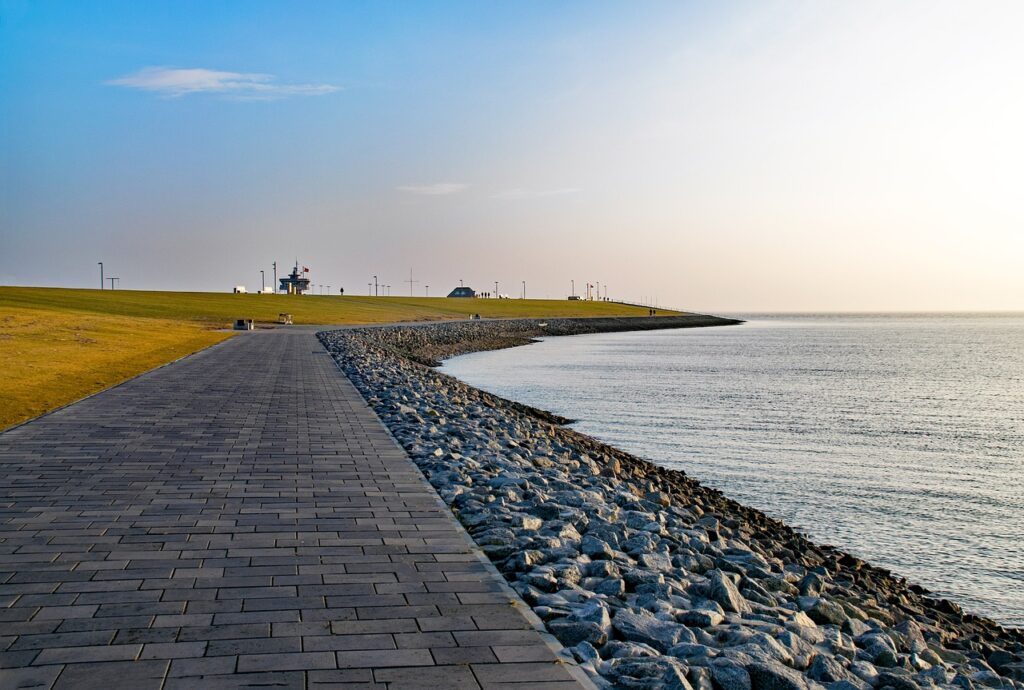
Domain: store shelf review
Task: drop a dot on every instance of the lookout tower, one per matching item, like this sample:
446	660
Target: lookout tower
296	283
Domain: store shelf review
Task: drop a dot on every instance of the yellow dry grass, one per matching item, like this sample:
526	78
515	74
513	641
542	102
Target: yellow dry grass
58	345
50	358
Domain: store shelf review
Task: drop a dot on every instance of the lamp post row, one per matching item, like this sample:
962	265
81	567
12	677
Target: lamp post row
375	285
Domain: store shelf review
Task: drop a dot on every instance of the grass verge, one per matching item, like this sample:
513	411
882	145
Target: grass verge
58	345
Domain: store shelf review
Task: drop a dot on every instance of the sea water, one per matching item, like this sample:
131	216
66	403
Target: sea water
898	438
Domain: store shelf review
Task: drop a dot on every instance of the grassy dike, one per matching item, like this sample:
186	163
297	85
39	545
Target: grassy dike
58	345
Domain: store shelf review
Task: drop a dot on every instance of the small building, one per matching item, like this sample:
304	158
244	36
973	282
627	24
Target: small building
462	292
239	290
296	283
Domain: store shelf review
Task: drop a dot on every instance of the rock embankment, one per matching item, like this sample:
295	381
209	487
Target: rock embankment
649	579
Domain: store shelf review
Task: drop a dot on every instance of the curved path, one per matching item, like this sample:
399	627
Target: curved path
240	518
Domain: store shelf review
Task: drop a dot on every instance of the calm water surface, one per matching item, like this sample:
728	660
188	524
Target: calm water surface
897	438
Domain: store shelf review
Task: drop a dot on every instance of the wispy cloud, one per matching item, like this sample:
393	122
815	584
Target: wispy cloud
436	189
535	193
174	82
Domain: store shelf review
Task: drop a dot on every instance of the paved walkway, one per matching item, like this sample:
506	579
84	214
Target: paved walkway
241	518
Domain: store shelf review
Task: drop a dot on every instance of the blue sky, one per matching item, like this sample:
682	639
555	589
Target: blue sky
726	156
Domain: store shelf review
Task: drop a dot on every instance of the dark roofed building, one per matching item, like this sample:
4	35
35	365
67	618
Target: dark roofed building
296	283
462	292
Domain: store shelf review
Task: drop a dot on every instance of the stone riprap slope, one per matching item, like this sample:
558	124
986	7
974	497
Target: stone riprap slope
649	579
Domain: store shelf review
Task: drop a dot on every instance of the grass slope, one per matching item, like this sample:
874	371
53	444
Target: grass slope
222	308
58	345
51	358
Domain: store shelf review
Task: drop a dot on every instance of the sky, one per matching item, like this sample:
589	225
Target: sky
717	156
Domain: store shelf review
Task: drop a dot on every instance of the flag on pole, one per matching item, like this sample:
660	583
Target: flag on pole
305	269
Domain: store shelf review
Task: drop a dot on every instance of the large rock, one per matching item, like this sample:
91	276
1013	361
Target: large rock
825	669
825	612
597	549
649	630
722	590
771	676
571	632
729	675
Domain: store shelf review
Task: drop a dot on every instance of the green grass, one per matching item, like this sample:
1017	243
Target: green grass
58	345
223	308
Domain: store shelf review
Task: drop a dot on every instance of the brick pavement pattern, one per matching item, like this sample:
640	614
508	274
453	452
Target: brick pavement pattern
241	518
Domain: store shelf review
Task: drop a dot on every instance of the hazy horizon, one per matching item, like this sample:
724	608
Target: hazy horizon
742	158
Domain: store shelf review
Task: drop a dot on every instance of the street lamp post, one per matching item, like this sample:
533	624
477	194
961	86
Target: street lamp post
263	281
369	289
428	290
112	282
376	290
275	278
524	289
101	274
495	289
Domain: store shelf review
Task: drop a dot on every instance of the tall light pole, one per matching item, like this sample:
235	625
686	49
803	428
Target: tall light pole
328	289
461	284
275	278
112	282
495	289
369	289
376	290
572	291
524	289
411	282
263	281
101	274
427	287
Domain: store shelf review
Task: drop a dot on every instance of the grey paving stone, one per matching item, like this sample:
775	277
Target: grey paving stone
243	504
387	658
522	673
300	661
449	677
338	643
138	675
77	655
241	681
34	677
